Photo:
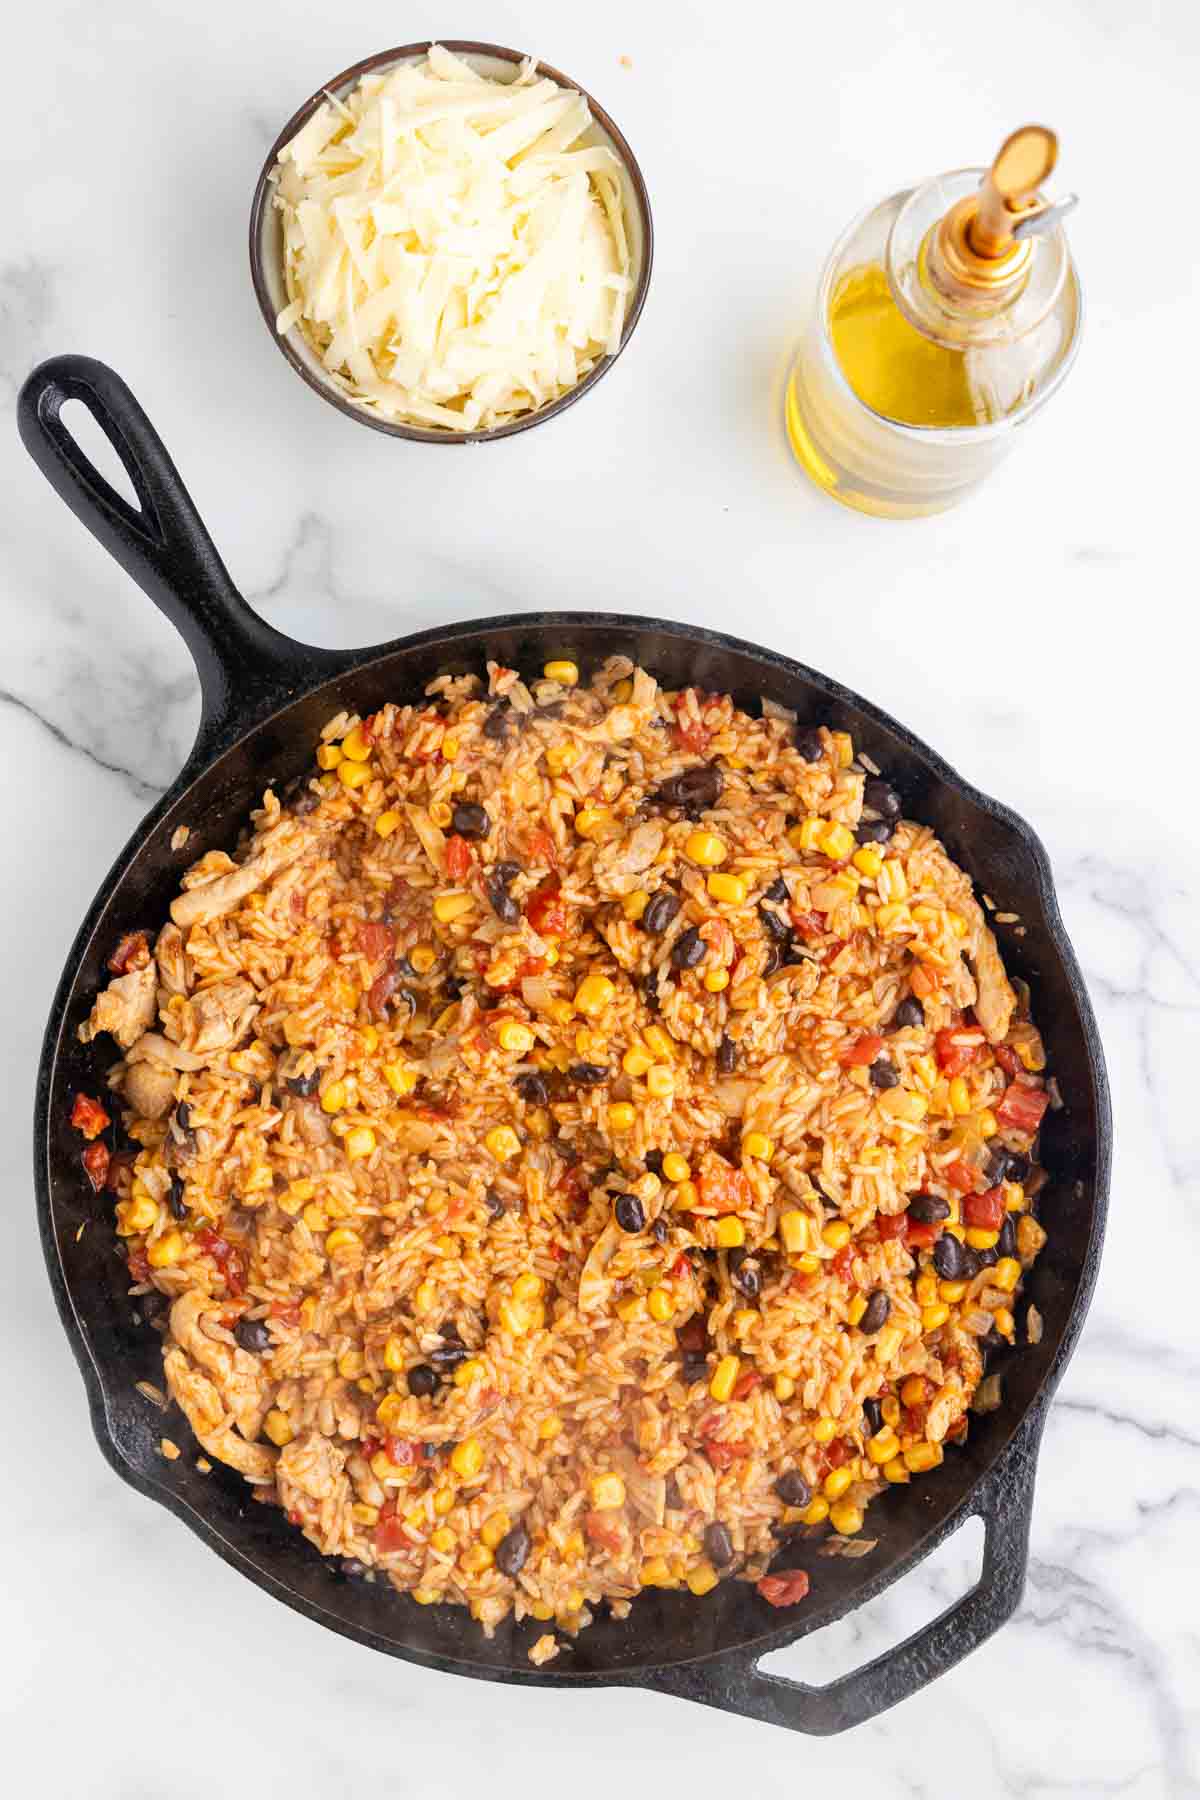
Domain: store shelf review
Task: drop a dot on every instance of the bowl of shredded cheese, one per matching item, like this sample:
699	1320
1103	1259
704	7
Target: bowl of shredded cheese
451	242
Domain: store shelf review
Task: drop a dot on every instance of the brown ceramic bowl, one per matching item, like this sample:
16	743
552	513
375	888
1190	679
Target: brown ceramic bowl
266	242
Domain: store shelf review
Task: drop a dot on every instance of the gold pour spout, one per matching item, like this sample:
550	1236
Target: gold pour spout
977	250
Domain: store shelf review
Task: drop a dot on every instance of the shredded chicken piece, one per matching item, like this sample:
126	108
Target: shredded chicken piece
149	1088
169	952
618	865
125	1009
988	990
216	1018
995	1001
239	1376
311	1467
199	1400
282	844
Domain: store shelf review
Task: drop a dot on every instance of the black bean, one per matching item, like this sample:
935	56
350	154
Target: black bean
1006	1244
1006	1165
650	991
777	892
873	831
774	924
423	1380
350	1569
987	1258
585	1074
448	1356
532	1087
175	1198
795	952
660	1231
449	1329
629	1212
884	1074
876	1316
304	1085
882	798
873	1416
927	1209
948	1257
253	1335
512	1550
810	745
689	949
403	967
909	1013
183	1116
452	989
726	1055
695	790
971	1263
772	961
494	1204
718	1545
792	1488
495	726
506	872
695	1366
654	1161
661	910
501	901
672	1497
745	1274
470	820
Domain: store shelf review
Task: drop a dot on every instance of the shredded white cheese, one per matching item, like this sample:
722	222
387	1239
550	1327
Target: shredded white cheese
453	252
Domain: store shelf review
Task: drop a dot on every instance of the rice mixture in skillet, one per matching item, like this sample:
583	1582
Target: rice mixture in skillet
584	1136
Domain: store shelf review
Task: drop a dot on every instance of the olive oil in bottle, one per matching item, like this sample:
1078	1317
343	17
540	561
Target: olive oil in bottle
946	316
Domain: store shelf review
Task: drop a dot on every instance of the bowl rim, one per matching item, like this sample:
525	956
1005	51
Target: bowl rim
327	390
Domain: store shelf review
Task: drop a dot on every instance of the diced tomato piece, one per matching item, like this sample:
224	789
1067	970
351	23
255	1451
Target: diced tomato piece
459	857
801	1282
95	1165
557	1253
962	1175
746	1384
721	1455
370	1446
604	1528
843	1264
375	939
862	1052
289	1312
547	910
1008	1059
401	1451
543	848
957	1048
680	1266
784	1589
1022	1108
810	925
690	733
89	1116
724	1187
923	981
921	1237
227	1257
532	965
838	1452
984	1212
891	1225
390	1535
139	1267
132	952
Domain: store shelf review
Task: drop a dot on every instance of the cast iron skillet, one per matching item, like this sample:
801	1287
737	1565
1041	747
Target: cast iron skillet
264	699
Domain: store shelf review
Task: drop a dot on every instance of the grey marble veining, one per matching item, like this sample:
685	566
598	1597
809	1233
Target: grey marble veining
1041	638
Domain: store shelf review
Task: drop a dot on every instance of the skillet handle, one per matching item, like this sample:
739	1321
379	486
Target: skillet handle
736	1684
243	663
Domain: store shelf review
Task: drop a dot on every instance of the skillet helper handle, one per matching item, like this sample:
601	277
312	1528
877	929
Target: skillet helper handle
1004	1501
240	659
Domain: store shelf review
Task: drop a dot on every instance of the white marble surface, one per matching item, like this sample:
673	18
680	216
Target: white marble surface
132	1662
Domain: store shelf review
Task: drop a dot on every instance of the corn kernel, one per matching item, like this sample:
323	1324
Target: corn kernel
354	774
365	1515
1004	1322
440	814
824	1431
359	1143
1006	1274
856	1309
466	1458
655	1572
686	1196
661	1304
561	757
716	980
925	1288
443	1502
444	1540
386	823
631	1309
425	1297
816	1512
503	1142
476	1559
843	748
756	1145
921	1457
636	1060
729	889
705	848
837	842
868	861
894	914
925	1070
393	1354
341	1239
277	1427
1014	1197
608	1491
676	1167
448	907
951	1291
422	957
836	1482
702	1579
959	1096
730	1232
723	1378
660	1081
635	904
494	1529
988	1125
165	1251
593	821
400	1078
784	1387
335	1097
328	756
659	1043
957	923
980	1239
550	1427
514	1036
565	673
836	1234
934	1317
846	1518
594	995
883	1446
138	1214
474	1369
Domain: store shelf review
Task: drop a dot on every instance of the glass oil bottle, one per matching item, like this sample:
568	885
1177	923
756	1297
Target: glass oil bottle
946	317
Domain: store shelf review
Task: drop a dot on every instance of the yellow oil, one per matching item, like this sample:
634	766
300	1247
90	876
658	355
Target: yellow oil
894	368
